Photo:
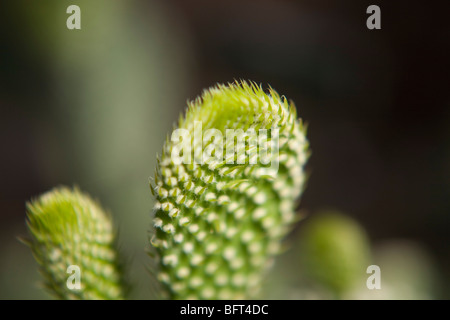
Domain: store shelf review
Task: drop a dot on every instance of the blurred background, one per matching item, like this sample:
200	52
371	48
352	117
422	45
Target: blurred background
92	107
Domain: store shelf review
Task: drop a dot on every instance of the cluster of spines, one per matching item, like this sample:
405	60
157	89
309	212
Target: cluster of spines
68	229
218	225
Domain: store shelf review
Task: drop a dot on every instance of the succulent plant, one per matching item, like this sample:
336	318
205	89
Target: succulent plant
72	233
222	207
220	216
335	251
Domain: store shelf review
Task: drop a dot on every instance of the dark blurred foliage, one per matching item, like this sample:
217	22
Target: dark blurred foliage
377	102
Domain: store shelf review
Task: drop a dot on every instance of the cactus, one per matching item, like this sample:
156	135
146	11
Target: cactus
69	230
219	219
335	251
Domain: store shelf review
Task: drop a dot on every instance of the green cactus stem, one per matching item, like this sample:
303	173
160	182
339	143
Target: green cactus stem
70	232
219	223
335	251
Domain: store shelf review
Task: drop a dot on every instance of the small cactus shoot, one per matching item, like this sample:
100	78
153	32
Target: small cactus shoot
71	233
